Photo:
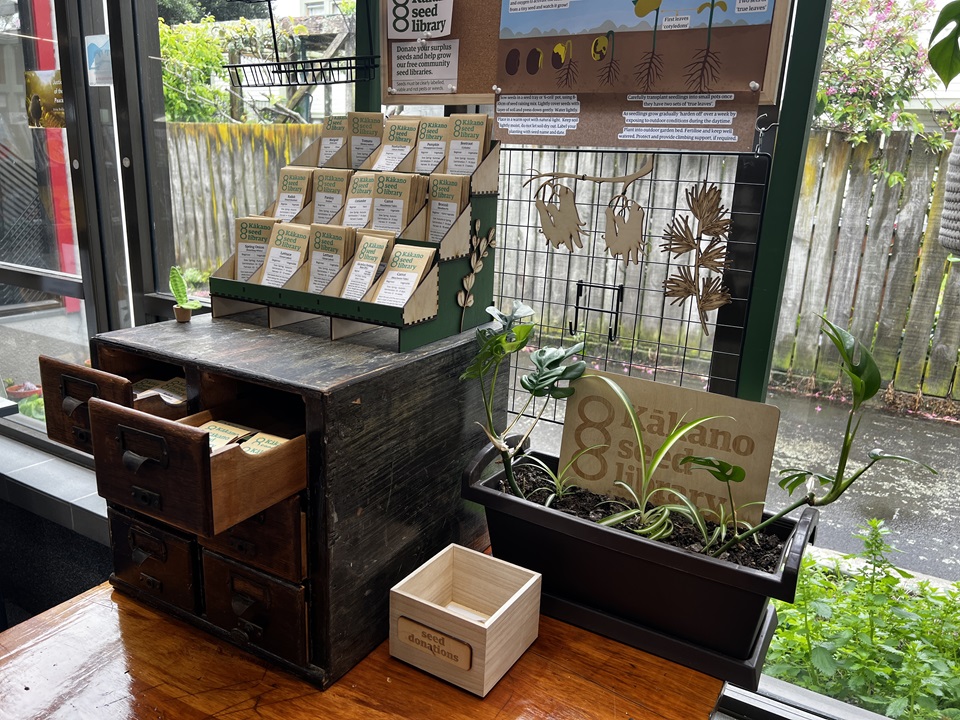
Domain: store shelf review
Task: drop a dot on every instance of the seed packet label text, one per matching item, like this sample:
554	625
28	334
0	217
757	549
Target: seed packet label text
260	443
361	276
329	147
397	288
388	215
362	147
323	267
326	206
173	390
391	156
288	205
442	217
430	154
357	212
281	265
250	257
464	157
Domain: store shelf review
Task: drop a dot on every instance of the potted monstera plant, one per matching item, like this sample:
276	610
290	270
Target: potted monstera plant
695	608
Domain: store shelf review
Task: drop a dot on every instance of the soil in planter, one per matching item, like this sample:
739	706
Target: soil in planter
764	554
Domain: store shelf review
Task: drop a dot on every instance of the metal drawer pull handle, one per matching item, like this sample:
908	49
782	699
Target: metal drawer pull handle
139	555
140	447
70	405
241	603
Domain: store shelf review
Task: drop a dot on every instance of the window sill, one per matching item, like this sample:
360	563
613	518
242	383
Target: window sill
53	488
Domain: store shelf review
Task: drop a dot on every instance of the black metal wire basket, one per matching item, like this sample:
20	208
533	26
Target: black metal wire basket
290	73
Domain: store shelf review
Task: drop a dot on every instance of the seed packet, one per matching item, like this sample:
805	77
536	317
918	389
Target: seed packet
432	144
329	193
448	198
365	266
252	240
261	442
397	198
332	141
292	192
364	132
223	433
331	248
358	209
405	268
288	251
396	153
468	138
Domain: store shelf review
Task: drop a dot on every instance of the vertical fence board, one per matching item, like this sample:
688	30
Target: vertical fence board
943	351
923	306
799	250
876	251
822	246
846	260
903	258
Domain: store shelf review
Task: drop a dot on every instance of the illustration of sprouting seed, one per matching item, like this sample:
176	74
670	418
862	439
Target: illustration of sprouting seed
565	65
609	73
704	70
650	69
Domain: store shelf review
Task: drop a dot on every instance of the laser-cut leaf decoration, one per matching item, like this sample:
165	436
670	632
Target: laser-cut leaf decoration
559	219
709	247
624	229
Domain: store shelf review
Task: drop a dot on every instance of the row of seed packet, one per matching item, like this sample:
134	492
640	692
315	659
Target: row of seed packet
385	271
249	439
346	141
384	201
453	145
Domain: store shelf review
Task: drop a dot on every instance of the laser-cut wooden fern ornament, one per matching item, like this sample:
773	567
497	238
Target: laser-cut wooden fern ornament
559	219
701	279
479	249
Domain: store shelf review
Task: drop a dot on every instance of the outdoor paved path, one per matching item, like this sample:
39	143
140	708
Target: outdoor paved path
922	510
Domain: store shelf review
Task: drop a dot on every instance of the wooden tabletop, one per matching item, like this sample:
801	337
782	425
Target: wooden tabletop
103	655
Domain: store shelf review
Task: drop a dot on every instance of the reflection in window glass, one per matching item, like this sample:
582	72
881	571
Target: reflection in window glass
34	324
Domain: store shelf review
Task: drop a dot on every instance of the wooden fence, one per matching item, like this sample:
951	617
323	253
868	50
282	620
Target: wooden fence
863	254
866	256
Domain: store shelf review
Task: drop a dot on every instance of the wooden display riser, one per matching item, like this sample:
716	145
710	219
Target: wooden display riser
107	656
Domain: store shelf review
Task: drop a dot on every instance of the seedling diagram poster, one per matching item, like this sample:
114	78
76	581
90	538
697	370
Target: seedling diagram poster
637	73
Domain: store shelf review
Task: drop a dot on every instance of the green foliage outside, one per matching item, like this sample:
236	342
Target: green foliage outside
175	12
873	64
192	55
871	639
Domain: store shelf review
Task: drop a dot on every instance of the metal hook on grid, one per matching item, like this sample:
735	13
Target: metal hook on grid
761	131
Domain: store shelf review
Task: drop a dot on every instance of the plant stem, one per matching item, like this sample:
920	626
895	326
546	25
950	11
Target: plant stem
508	471
736	539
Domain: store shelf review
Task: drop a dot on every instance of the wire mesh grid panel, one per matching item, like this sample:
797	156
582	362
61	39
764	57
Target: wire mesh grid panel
646	258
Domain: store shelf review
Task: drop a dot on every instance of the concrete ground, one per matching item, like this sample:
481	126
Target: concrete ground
921	509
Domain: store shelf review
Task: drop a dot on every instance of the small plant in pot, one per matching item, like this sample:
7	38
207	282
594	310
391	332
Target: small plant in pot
692	608
184	307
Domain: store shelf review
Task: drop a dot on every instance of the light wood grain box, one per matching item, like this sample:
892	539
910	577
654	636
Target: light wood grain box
465	617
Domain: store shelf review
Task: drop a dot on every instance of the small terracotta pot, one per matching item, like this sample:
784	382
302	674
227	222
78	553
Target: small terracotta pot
15	392
183	314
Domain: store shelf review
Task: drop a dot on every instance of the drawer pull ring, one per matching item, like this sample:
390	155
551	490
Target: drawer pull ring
71	384
133	462
139	555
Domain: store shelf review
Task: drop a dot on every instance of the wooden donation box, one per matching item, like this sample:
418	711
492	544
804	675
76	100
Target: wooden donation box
271	486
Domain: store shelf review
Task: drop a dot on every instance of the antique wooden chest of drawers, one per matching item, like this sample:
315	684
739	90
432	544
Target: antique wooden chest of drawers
290	553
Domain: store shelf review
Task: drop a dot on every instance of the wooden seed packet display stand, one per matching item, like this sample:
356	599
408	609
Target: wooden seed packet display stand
441	306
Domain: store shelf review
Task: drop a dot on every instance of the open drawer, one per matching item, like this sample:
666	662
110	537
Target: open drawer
166	469
68	388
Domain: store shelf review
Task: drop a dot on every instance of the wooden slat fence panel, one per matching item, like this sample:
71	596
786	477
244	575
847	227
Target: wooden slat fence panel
902	265
943	350
822	247
876	251
923	305
846	259
799	250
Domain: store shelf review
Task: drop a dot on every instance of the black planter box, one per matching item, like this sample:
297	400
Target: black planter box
695	610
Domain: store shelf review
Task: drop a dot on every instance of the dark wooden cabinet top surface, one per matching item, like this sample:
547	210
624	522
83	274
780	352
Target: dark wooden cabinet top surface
298	356
107	656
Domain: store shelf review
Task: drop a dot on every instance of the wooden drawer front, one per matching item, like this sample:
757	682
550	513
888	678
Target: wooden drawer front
155	561
165	469
67	390
273	540
256	608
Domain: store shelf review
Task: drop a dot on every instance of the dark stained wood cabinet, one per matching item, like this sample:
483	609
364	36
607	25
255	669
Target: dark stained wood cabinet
289	554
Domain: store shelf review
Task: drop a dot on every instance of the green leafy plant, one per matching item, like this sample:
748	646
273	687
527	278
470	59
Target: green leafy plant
495	346
944	54
861	632
563	484
861	369
179	289
650	521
